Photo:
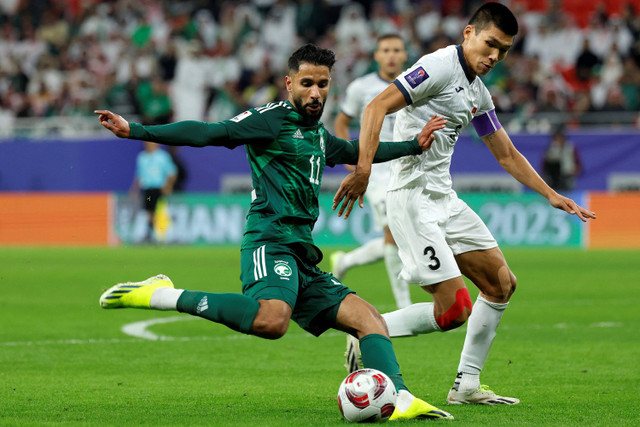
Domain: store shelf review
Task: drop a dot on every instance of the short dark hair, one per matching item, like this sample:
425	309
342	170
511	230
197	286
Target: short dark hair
496	14
388	36
311	54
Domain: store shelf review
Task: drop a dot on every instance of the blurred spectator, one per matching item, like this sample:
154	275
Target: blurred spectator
587	62
561	163
64	58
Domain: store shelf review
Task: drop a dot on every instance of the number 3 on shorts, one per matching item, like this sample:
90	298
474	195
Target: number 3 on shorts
431	253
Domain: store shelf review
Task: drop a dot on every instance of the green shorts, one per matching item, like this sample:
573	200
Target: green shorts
276	272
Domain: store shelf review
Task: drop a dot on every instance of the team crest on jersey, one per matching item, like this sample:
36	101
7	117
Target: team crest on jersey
282	269
416	77
241	116
322	142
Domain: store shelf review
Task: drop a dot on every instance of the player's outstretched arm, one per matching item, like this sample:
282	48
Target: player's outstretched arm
568	205
114	122
519	167
355	184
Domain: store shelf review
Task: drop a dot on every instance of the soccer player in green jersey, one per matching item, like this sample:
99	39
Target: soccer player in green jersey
287	147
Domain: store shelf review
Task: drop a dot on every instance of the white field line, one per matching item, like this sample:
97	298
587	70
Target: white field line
138	332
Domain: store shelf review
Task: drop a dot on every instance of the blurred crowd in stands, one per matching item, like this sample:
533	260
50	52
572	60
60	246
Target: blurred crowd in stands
173	60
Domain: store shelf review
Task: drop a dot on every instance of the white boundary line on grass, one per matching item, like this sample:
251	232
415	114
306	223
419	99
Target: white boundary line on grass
139	333
139	329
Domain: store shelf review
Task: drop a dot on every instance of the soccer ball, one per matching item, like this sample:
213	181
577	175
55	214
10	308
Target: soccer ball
367	395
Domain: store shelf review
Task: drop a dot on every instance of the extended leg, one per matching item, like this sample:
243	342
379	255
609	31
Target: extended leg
488	270
263	318
370	252
450	309
393	263
359	318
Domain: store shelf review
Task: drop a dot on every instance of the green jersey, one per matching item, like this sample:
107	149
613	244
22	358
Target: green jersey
287	159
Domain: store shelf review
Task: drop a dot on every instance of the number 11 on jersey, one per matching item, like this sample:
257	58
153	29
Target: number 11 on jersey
314	177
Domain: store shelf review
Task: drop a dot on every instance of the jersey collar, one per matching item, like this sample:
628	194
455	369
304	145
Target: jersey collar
463	63
383	80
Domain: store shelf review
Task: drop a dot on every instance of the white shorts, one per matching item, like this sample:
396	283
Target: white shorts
377	197
429	230
376	193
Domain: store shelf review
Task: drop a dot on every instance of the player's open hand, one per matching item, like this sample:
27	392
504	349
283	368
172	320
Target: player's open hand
560	202
114	122
426	136
351	190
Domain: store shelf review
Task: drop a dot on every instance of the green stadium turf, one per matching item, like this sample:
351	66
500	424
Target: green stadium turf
567	347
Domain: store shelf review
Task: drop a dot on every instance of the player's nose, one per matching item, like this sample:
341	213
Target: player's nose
315	92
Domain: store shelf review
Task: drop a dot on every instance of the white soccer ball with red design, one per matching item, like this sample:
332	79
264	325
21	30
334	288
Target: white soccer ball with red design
367	395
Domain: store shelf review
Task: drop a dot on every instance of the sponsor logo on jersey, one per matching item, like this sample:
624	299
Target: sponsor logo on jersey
202	305
459	88
416	77
241	116
282	269
322	142
298	134
474	110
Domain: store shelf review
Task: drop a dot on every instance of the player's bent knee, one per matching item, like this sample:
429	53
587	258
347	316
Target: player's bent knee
458	313
514	282
270	330
506	286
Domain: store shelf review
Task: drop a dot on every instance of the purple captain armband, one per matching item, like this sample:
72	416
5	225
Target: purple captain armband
486	123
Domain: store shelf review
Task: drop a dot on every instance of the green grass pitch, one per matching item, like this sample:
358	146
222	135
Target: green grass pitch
568	346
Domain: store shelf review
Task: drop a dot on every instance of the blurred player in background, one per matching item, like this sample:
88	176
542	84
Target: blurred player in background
390	55
561	163
287	148
439	236
155	176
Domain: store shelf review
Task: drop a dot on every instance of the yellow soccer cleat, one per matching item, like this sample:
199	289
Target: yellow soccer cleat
418	409
134	294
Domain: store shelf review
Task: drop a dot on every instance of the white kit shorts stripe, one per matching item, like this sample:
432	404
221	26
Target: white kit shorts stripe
430	229
259	263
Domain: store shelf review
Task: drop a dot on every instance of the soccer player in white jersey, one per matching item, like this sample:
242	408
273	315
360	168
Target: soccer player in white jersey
439	236
390	55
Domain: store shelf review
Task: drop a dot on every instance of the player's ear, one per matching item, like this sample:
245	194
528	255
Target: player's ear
288	82
466	33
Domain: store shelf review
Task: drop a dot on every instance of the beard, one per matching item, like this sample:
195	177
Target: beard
309	119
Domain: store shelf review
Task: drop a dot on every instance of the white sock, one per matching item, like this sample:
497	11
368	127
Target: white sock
404	400
371	251
165	298
400	288
466	382
481	330
413	320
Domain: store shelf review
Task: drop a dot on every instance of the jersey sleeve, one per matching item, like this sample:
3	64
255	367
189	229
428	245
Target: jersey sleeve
255	126
340	151
425	78
188	132
352	105
245	128
485	120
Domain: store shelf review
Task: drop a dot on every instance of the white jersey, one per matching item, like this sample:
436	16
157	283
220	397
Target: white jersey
438	84
360	93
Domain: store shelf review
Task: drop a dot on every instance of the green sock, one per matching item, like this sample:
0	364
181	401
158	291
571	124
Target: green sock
233	310
377	353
